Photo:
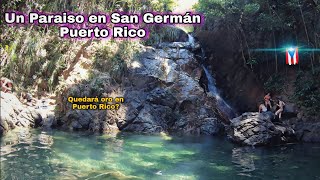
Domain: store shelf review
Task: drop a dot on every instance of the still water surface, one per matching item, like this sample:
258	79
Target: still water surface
59	155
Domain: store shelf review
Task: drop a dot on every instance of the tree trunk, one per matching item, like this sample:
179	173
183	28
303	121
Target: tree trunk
275	51
274	40
316	44
245	40
307	35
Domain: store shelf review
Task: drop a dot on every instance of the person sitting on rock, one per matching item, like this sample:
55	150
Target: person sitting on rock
281	105
6	85
27	98
267	101
262	108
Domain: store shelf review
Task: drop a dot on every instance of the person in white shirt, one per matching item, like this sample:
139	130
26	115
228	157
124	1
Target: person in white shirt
262	108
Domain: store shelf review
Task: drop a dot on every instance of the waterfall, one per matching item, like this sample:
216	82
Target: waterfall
221	103
211	81
191	40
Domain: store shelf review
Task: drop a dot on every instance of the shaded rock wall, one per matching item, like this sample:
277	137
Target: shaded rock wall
238	83
307	131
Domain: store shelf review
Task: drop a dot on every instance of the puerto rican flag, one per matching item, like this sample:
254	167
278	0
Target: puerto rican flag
292	57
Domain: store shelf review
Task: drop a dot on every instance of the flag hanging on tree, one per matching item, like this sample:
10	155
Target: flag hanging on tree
292	56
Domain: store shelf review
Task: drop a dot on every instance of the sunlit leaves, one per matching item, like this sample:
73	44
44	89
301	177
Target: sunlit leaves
251	8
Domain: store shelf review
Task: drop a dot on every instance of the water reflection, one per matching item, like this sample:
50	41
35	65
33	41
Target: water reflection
25	154
243	158
45	139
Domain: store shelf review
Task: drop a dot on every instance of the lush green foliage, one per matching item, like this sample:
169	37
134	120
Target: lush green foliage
162	34
275	84
29	55
113	56
307	92
33	55
267	24
89	6
274	24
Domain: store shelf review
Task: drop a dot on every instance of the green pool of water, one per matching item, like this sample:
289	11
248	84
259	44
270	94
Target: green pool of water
63	155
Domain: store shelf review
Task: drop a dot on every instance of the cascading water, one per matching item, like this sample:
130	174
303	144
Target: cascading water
191	40
221	103
211	81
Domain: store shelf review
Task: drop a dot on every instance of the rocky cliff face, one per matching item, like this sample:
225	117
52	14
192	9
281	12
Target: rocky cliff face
162	94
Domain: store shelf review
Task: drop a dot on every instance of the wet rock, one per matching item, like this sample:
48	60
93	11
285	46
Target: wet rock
210	126
80	119
257	129
308	132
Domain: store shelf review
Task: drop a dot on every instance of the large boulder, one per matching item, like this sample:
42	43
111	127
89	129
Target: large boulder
256	129
14	113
